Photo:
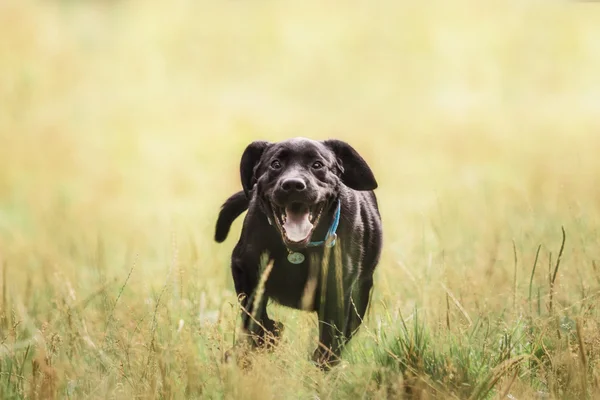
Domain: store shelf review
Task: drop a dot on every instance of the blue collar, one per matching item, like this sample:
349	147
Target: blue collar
331	236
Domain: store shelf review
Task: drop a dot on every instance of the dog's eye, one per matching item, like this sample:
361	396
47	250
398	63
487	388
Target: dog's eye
317	165
276	164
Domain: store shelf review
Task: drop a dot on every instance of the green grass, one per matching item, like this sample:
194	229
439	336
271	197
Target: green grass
121	128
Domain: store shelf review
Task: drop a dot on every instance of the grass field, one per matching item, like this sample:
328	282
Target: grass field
121	128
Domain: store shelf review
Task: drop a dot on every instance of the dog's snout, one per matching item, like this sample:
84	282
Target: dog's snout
293	184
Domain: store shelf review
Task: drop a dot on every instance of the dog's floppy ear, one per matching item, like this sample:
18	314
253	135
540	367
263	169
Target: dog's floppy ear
250	160
355	172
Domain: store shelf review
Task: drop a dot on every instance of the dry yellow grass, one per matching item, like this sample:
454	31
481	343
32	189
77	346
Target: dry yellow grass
121	127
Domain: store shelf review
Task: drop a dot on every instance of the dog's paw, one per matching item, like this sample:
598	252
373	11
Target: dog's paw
325	359
278	328
269	337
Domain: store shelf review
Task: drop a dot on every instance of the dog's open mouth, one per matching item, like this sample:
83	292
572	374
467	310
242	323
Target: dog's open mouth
297	221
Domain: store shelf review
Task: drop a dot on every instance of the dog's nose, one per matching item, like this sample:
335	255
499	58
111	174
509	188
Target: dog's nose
293	184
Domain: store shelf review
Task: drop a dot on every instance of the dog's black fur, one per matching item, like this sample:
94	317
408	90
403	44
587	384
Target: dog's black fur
335	282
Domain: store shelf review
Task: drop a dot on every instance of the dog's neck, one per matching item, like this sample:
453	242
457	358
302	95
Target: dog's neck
325	233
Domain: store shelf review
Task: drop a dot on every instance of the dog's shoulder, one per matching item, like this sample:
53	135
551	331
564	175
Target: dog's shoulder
354	201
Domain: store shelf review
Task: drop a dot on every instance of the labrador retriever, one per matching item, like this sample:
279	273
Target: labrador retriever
312	210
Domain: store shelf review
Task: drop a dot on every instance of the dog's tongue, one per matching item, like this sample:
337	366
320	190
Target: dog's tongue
297	224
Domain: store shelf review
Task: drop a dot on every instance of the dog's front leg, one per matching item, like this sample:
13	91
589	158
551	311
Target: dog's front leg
255	320
360	295
332	304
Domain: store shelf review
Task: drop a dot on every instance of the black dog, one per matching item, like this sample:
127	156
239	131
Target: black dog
312	210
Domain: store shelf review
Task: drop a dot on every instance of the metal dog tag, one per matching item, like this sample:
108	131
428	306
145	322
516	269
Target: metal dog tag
295	258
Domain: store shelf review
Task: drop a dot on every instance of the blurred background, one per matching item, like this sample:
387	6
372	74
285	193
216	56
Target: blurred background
122	124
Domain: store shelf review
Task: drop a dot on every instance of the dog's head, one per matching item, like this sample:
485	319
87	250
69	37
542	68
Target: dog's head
298	179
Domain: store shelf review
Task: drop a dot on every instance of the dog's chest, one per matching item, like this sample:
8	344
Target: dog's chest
291	284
